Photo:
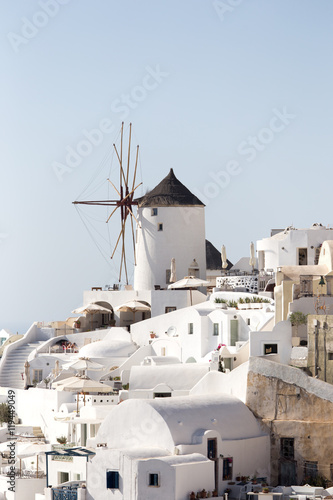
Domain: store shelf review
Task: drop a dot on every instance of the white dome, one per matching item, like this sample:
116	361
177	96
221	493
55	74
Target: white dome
107	348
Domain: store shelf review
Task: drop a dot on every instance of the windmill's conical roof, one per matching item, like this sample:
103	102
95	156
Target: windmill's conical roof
169	192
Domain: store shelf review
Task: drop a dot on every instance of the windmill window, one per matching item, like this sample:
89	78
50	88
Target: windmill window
153	480
112	479
160	226
154	211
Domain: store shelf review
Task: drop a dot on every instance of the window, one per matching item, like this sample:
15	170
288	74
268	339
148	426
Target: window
162	394
310	469
270	348
302	256
190	328
211	448
215	328
227	469
287	448
63	477
153	479
169	309
330	356
38	375
317	253
160	226
248	321
154	211
112	479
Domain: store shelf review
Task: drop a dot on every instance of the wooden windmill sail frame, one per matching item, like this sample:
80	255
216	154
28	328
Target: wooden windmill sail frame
125	202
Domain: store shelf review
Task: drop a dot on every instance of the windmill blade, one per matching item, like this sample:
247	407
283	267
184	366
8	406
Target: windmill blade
129	153
123	255
129	194
115	248
113	211
136	164
122	175
114	187
130	211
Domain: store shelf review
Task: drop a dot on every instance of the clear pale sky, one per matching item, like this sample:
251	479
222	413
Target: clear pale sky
235	96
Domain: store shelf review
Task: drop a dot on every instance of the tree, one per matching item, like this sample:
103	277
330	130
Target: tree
297	318
5	415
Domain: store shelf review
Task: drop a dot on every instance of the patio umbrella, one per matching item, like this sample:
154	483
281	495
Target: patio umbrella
83	364
82	384
92	309
32	450
173	271
224	257
133	306
26	374
252	256
189	282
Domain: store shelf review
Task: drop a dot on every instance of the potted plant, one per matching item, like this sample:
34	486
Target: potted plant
265	489
192	495
62	440
214	493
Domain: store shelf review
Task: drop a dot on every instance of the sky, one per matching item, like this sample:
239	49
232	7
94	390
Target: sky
234	95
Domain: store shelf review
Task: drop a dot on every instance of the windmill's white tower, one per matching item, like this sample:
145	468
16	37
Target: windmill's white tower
172	224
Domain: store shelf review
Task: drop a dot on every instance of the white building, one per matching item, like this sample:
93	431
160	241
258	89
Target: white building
172	225
165	448
292	247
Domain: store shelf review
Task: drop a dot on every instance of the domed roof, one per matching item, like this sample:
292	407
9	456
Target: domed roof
107	348
167	422
169	192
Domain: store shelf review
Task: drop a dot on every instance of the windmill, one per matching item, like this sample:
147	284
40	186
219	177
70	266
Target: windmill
125	201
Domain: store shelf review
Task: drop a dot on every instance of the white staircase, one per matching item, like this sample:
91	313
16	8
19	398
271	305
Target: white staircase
13	367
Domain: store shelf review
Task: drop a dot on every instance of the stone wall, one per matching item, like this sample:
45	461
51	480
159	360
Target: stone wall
292	406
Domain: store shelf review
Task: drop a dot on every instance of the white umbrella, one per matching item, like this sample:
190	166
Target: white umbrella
32	450
83	364
189	282
133	306
82	384
173	270
252	256
26	374
92	309
224	257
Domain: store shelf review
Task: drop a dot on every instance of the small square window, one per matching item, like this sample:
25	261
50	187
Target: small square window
215	328
154	211
270	349
330	356
160	226
153	480
190	328
169	309
112	479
